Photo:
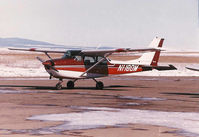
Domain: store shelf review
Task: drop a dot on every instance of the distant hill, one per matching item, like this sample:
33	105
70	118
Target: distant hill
27	43
20	42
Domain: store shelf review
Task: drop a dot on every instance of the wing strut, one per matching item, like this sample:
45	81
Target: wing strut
104	58
48	55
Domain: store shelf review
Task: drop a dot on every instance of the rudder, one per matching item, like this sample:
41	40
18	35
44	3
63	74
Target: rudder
152	58
157	54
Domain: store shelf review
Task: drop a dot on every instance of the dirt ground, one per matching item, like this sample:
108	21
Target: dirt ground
40	97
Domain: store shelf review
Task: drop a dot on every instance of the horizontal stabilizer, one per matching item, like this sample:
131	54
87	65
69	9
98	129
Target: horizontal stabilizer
161	68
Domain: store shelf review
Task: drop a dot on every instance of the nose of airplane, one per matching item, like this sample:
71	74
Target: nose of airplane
48	63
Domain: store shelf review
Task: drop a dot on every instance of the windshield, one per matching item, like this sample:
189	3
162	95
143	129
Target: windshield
67	55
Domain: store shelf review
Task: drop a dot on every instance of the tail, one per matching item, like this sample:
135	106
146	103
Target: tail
152	58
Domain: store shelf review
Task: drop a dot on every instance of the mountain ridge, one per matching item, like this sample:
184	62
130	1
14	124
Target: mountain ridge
27	43
15	42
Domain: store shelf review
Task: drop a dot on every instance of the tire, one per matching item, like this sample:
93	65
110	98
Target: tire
99	85
70	84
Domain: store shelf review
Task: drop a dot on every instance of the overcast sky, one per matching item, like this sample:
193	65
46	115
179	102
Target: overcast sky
121	23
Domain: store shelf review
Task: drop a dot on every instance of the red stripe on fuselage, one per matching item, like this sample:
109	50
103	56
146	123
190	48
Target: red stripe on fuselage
72	69
73	65
67	62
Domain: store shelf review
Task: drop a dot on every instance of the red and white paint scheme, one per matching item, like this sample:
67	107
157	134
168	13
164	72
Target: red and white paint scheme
86	64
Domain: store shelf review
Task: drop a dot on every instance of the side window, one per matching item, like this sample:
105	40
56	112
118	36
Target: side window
103	62
88	60
78	58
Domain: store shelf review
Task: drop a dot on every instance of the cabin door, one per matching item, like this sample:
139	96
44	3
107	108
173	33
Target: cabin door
98	71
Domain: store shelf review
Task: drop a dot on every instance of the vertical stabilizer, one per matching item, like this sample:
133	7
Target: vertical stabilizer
152	58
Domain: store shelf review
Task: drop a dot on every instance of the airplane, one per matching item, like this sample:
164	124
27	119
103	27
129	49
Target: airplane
193	69
91	64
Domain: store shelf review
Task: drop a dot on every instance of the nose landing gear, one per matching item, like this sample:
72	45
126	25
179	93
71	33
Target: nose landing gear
59	84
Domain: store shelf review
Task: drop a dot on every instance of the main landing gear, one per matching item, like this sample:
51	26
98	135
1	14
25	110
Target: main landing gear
99	84
70	84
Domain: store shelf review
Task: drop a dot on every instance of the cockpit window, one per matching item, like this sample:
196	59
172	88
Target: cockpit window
71	54
67	55
90	60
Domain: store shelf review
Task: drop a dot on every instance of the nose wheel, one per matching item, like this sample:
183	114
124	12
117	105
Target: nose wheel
59	84
99	84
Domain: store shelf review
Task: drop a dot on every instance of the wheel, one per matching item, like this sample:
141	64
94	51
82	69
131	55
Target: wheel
70	84
99	85
58	86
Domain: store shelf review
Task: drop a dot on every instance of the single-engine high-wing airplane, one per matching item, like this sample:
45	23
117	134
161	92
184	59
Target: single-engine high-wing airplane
92	64
194	69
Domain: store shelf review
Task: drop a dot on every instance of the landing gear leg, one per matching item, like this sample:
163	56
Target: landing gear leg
99	84
59	84
71	84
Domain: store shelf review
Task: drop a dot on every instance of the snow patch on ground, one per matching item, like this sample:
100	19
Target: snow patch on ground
181	71
9	91
141	98
4	91
133	104
8	71
95	117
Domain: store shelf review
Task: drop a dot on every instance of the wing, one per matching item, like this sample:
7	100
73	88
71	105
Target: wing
102	53
110	51
154	46
38	50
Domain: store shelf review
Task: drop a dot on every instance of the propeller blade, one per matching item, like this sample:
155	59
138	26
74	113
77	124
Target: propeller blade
46	65
40	59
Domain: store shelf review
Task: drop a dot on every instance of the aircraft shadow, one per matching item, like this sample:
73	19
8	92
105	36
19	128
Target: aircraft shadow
111	87
29	87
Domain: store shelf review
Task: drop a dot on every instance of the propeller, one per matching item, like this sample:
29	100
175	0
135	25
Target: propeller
47	64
